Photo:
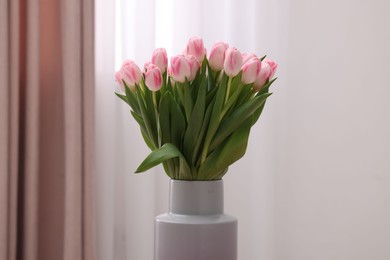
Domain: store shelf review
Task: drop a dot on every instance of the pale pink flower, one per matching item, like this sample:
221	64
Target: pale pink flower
217	55
247	56
160	59
233	62
273	66
194	66
118	79
131	73
196	48
262	77
153	78
250	70
146	66
180	69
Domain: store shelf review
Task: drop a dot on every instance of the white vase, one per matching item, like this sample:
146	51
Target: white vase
196	228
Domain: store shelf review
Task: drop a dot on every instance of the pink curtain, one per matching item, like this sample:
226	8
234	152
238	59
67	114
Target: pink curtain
47	130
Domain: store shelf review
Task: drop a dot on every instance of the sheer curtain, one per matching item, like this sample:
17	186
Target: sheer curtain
315	181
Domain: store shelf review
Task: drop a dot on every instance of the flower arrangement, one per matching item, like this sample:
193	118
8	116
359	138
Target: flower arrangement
196	114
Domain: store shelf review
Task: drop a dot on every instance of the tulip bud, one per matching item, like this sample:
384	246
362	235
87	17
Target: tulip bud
118	79
273	66
153	78
194	66
217	55
180	69
196	48
146	66
250	70
233	62
262	77
131	73
160	59
247	56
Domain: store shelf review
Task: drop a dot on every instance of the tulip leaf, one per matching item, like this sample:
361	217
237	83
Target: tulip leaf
123	97
164	119
215	117
226	154
177	122
266	87
166	152
138	119
258	112
246	94
188	102
140	122
234	120
151	112
195	123
146	119
202	133
131	99
232	100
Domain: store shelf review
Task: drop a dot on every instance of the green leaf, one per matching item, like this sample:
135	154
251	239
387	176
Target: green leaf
164	119
166	152
215	117
123	97
146	119
151	112
216	164
266	87
232	100
202	133
188	102
131	99
138	119
246	94
195	123
146	139
231	123
177	121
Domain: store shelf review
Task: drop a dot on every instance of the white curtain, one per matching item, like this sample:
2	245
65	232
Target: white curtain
315	182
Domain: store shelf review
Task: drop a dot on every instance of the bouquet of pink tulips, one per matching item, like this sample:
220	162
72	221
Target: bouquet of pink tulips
196	114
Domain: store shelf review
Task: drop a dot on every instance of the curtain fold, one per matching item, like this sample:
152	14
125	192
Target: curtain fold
46	130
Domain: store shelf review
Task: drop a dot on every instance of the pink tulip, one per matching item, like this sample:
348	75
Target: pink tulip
273	66
153	78
196	48
146	66
262	77
180	69
131	73
118	79
247	56
250	70
233	62
217	55
160	59
194	66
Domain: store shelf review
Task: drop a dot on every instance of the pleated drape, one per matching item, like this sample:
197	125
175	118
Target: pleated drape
47	130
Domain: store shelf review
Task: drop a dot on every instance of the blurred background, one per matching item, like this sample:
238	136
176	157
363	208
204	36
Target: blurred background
313	185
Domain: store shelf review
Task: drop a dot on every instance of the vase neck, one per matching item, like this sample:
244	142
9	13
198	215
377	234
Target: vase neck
196	197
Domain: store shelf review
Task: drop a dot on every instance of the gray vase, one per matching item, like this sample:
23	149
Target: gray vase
196	228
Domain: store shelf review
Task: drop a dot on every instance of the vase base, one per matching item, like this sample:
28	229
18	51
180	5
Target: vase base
183	237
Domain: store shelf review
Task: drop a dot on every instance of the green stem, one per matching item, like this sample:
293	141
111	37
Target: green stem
228	89
154	99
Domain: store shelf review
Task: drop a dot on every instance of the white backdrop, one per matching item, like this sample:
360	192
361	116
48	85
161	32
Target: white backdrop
315	182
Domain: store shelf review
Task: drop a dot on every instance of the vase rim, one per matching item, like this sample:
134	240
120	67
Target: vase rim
196	180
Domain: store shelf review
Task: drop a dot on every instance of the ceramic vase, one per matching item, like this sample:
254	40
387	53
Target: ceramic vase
196	227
